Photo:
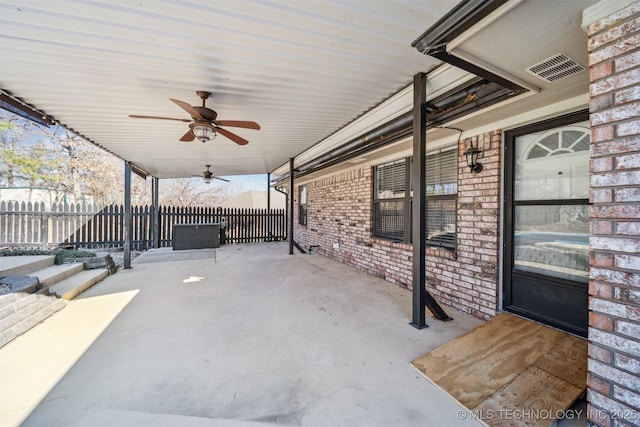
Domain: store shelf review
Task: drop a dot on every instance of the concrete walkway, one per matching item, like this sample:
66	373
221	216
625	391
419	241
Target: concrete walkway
241	335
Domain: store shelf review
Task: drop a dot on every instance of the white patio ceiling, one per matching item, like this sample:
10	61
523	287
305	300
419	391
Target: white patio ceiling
301	69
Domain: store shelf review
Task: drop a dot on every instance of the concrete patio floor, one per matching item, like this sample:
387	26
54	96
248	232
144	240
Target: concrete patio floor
241	335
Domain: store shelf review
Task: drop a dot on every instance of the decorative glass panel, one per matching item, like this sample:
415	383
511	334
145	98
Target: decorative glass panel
553	164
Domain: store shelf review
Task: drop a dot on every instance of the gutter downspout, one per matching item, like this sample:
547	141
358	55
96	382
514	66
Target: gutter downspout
286	211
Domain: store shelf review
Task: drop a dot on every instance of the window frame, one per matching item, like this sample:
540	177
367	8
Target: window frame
303	196
404	201
407	200
441	242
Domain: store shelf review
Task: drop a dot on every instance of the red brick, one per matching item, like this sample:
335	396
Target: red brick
331	217
601	133
615	49
630	161
629	128
615	277
601	227
614	34
601	102
600	354
627	95
601	164
627	295
614	211
600	290
601	195
598	384
600	321
601	259
629	397
628	328
613	389
617	114
628	363
628	228
628	194
600	71
627	61
620	145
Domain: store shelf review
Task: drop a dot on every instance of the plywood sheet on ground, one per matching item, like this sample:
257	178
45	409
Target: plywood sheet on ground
510	364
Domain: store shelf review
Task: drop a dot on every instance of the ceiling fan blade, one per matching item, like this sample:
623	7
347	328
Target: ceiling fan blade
239	124
188	137
221	179
188	108
232	136
135	116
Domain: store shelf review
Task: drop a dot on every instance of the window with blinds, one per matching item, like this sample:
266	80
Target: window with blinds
441	198
390	200
302	205
392	203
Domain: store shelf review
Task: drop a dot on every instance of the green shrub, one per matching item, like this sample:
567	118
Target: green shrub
61	255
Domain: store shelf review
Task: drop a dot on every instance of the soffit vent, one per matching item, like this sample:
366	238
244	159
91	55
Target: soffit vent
555	68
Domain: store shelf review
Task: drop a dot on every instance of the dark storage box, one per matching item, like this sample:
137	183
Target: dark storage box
196	236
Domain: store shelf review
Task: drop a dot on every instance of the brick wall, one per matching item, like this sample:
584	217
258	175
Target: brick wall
339	211
614	288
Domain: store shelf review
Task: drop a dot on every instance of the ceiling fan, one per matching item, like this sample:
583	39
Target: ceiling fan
208	176
203	125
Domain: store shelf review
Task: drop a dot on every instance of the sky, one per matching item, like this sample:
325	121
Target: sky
249	182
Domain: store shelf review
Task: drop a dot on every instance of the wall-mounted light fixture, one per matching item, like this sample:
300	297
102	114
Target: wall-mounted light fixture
473	154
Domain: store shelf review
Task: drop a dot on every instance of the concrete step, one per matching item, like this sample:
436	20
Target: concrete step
17	265
55	273
26	312
73	286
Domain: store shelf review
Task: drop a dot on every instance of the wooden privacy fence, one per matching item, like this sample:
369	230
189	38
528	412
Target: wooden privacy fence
88	226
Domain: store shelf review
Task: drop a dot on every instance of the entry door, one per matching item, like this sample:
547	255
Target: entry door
546	259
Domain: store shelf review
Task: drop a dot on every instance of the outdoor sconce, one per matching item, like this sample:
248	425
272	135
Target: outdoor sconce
472	155
203	131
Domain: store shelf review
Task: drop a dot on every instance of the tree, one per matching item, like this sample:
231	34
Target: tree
57	160
189	192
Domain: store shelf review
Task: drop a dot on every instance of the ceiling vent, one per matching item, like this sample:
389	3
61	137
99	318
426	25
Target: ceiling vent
555	68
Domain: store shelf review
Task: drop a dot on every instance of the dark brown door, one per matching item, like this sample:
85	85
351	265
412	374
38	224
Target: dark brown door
546	262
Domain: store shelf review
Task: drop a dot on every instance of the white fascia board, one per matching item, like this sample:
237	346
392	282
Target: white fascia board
439	81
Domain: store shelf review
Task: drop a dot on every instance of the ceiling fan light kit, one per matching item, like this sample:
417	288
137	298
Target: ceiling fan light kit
203	131
203	125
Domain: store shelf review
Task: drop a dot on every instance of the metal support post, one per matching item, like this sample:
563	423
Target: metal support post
418	212
127	215
291	190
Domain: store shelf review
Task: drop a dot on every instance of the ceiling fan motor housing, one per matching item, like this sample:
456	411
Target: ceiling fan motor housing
206	113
